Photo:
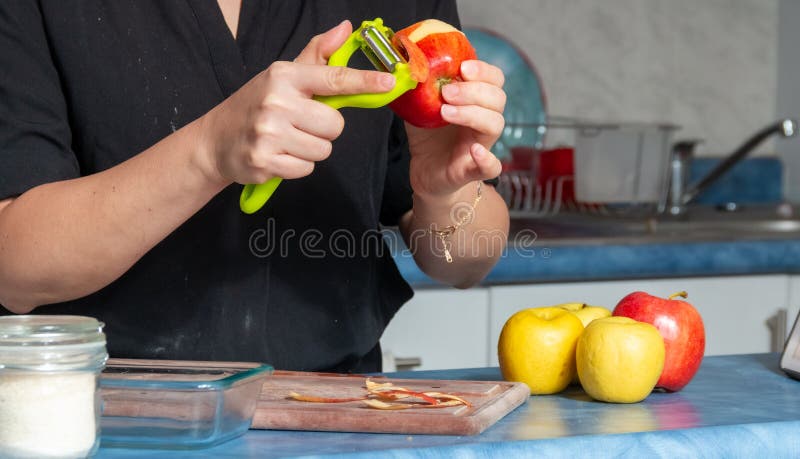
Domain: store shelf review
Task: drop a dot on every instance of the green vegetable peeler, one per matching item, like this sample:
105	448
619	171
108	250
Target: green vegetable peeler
374	40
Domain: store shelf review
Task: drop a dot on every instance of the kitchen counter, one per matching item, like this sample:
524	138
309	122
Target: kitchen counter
544	261
736	406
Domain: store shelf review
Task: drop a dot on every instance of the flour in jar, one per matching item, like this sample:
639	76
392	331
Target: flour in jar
47	415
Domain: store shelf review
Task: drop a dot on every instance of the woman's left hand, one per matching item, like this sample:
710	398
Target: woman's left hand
446	159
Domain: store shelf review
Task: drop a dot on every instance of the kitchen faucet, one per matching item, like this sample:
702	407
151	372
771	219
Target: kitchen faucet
681	194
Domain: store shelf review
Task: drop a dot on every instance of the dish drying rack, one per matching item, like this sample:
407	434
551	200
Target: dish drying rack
616	168
527	197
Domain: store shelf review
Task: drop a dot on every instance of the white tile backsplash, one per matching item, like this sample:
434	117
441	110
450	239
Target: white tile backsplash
707	65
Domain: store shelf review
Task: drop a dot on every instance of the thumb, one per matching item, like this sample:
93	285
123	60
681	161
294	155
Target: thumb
487	166
322	46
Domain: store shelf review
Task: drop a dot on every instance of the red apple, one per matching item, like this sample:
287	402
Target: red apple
681	327
434	50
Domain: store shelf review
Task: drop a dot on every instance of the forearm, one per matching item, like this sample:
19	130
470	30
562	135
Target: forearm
65	240
474	246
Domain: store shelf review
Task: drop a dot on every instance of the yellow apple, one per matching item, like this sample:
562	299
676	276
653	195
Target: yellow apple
537	347
572	307
585	312
619	359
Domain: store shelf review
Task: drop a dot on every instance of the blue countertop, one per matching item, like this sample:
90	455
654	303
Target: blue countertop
543	263
736	406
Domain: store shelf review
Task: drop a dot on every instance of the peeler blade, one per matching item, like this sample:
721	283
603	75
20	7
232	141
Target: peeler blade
379	50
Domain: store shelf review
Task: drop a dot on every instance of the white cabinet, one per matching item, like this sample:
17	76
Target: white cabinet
444	328
448	328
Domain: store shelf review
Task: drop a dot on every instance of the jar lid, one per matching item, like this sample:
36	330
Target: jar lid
51	343
50	330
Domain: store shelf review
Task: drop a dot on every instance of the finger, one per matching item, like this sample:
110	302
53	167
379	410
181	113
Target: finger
482	120
319	49
317	119
481	71
261	169
328	81
289	167
475	93
487	164
481	164
297	143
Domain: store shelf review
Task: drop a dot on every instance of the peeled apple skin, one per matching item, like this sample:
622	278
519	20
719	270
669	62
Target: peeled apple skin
435	60
537	347
619	360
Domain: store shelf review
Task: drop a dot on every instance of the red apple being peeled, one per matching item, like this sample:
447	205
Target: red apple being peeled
434	50
681	327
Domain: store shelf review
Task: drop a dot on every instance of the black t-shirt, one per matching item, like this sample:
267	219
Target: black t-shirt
302	284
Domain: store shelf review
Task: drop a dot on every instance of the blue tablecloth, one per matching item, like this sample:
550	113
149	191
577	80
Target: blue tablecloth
736	406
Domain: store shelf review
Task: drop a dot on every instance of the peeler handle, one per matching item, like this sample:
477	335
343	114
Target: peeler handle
254	196
341	57
402	76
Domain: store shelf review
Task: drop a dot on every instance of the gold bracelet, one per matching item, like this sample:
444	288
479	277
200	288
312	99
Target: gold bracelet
445	234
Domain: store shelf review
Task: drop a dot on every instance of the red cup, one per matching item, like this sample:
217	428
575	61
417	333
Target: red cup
556	169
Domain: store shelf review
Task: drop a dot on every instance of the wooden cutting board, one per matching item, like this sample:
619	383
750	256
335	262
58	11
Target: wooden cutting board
490	400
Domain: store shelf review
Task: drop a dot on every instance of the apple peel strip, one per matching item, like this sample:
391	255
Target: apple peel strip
379	393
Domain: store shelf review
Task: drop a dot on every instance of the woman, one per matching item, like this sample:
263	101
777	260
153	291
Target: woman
127	127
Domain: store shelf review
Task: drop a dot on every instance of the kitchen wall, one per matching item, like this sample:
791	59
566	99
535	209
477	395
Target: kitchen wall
789	91
707	65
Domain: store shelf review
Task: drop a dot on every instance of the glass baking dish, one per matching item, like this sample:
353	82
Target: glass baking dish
176	404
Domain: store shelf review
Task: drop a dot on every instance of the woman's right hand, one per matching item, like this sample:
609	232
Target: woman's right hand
272	126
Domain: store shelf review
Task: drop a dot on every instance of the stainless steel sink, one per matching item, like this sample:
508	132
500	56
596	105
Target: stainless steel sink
699	223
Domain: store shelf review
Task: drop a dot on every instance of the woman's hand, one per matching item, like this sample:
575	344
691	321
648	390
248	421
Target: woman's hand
445	164
446	159
273	127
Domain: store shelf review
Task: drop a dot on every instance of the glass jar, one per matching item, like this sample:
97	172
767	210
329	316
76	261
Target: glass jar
49	398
